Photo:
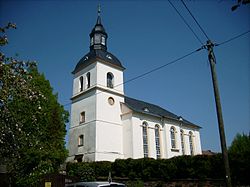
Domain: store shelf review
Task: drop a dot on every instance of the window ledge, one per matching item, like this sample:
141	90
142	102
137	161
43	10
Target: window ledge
175	150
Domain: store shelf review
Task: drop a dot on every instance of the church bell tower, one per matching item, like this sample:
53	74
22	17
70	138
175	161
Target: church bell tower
95	131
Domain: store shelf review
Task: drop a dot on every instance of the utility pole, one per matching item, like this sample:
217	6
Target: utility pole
211	58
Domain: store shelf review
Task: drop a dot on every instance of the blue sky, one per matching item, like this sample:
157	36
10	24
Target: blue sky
145	35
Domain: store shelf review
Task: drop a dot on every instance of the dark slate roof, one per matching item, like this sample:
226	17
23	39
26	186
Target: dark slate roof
98	28
151	109
94	55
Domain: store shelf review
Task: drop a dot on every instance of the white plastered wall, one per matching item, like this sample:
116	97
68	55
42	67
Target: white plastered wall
102	70
133	129
93	78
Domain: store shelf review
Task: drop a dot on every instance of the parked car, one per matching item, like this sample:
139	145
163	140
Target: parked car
95	184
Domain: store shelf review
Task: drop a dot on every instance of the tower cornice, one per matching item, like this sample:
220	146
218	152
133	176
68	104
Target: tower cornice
100	88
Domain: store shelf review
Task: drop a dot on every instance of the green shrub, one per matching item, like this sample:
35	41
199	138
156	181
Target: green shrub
135	184
101	168
239	159
83	171
182	167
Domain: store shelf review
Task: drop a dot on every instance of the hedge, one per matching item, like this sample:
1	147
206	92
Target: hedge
148	169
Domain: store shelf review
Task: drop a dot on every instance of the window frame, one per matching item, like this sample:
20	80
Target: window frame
82	117
81	140
88	80
92	41
173	137
157	141
145	139
110	80
97	39
81	83
191	143
103	40
182	141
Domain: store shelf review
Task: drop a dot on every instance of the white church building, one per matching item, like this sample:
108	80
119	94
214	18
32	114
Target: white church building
106	125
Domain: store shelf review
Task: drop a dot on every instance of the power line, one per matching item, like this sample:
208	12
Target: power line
172	62
195	20
183	19
233	38
160	67
153	70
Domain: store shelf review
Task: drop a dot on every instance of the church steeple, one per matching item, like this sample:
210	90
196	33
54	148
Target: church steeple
98	35
99	15
98	48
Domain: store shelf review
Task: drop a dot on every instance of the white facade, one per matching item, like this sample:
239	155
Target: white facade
133	133
113	130
98	126
106	125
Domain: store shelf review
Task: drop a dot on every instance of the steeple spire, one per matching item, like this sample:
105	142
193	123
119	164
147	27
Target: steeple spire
99	9
98	35
99	15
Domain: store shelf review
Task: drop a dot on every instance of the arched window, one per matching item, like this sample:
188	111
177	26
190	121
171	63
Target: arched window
173	139
80	140
182	142
110	80
191	143
88	80
145	138
82	117
81	83
157	142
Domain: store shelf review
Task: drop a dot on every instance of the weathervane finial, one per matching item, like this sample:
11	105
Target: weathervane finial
99	9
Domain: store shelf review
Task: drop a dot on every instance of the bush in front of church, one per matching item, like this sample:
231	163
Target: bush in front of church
199	167
83	171
147	169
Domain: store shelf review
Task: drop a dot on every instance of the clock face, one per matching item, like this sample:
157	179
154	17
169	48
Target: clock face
111	101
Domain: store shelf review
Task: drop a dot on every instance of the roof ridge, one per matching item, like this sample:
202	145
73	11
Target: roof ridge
153	109
152	105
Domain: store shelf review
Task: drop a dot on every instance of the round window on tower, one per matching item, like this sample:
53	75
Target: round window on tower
111	100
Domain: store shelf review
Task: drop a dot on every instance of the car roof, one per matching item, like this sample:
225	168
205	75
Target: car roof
94	184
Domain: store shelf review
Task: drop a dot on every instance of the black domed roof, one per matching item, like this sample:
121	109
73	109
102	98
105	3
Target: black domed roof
95	55
98	49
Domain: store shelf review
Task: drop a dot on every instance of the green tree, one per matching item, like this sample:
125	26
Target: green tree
240	144
239	152
32	122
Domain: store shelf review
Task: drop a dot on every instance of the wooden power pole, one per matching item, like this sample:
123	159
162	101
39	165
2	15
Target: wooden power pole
211	58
